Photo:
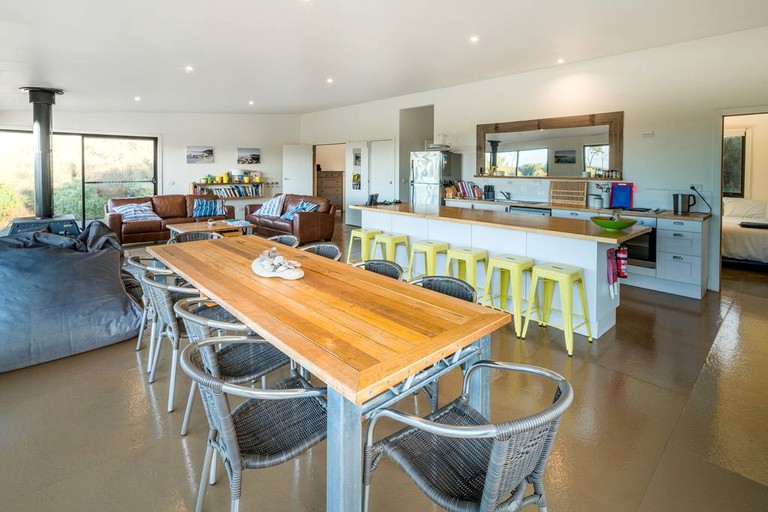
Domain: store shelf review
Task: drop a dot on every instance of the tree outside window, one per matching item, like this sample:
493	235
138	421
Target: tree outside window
733	166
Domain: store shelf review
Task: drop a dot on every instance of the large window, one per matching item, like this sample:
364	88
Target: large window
88	170
596	158
733	165
520	162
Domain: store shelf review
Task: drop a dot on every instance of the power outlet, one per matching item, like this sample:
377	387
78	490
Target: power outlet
697	186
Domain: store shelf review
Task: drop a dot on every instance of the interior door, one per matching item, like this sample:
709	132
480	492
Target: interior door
382	179
356	180
298	170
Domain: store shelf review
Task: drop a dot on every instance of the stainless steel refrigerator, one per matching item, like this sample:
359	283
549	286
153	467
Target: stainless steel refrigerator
429	171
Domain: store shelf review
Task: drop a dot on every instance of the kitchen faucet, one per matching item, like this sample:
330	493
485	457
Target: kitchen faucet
506	195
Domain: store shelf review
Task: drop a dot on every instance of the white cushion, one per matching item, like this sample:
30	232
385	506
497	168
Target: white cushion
272	208
136	211
744	208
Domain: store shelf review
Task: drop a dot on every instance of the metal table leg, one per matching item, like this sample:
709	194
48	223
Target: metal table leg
344	486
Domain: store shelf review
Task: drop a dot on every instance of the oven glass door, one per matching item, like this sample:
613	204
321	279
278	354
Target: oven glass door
641	251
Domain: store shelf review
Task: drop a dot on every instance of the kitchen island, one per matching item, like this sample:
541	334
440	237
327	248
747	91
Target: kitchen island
569	241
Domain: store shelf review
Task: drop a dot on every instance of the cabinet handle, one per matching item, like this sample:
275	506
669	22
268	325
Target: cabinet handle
678	235
677	223
574	214
677	258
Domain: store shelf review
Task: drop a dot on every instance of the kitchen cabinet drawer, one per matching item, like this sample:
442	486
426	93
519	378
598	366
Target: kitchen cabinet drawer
572	214
491	207
680	225
678	267
678	242
458	203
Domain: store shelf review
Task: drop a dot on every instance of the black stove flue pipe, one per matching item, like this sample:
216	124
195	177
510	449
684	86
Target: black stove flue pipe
42	100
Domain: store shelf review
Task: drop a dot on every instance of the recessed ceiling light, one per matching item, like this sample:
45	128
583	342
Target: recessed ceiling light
474	39
188	69
560	61
250	102
329	80
137	98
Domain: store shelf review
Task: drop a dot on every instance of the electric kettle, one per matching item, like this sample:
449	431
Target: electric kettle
682	203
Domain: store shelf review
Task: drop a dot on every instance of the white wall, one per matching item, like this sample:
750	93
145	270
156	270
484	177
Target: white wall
417	126
331	157
756	178
225	132
679	92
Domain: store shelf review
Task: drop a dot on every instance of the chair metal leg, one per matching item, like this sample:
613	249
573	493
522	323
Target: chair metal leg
152	342
206	468
172	383
188	410
212	472
235	507
155	357
141	328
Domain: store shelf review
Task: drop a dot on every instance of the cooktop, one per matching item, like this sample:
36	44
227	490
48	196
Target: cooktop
644	210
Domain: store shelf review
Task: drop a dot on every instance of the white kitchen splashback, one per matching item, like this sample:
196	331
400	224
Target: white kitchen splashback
521	190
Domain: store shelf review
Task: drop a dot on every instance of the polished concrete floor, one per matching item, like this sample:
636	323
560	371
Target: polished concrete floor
670	414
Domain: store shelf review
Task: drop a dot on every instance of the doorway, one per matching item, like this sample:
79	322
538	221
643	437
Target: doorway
330	164
744	172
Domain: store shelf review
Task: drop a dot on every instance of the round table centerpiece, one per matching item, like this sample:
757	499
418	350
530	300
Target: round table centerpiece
272	264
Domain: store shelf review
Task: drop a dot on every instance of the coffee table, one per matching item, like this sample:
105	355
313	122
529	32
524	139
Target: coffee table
218	226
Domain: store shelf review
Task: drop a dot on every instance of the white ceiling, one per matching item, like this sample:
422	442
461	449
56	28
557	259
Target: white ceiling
279	53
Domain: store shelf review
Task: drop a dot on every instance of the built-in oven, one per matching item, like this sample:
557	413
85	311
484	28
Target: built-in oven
641	250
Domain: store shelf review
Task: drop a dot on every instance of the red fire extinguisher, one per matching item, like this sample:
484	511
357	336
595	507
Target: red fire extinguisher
621	257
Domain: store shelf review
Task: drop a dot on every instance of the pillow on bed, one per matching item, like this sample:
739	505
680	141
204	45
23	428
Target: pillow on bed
744	208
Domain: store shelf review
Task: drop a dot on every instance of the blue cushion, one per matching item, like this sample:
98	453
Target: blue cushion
208	208
272	208
136	211
303	206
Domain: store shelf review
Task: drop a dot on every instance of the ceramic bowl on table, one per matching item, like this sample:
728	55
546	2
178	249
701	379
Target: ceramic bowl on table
613	225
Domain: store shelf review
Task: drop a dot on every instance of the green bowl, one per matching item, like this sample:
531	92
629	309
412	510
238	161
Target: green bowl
613	225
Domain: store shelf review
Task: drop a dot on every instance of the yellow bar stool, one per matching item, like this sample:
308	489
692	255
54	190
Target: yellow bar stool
511	268
429	248
466	260
366	236
388	242
565	276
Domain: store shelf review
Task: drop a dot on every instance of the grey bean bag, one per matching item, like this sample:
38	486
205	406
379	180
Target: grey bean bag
61	296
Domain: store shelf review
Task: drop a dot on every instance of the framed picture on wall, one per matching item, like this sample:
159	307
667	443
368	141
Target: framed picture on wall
565	156
248	156
199	154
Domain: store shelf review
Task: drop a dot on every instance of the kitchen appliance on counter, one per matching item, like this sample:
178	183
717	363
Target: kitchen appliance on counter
595	201
489	193
429	170
682	203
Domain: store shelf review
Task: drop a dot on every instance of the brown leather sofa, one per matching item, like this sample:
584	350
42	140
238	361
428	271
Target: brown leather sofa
306	226
171	208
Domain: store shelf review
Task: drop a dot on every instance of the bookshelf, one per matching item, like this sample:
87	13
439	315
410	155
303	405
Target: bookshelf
229	190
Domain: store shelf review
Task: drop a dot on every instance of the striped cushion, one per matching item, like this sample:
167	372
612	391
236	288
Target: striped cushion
272	208
303	206
136	211
208	208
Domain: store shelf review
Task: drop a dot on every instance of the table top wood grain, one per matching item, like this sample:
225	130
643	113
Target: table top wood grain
358	331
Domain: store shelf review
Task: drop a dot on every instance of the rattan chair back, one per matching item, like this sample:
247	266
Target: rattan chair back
194	236
447	285
326	249
288	240
383	267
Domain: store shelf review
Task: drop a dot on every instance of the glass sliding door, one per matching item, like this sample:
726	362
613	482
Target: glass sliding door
67	166
117	167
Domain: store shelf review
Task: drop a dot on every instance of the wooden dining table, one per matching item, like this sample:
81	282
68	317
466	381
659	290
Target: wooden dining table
367	337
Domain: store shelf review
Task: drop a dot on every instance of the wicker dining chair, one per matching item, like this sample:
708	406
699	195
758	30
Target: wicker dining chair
163	291
193	236
239	363
270	427
288	240
137	265
448	286
325	249
453	287
383	267
463	462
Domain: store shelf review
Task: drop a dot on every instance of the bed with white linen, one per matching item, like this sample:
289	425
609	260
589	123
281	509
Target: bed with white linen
740	243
